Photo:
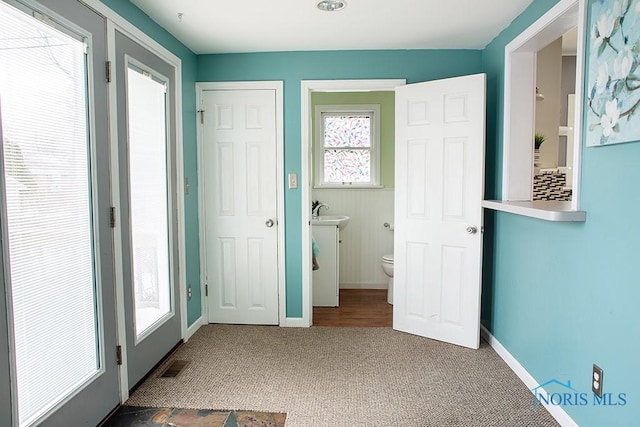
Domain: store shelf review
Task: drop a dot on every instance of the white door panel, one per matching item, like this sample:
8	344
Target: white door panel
439	189
240	199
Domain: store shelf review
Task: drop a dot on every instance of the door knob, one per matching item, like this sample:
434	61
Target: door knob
269	223
472	229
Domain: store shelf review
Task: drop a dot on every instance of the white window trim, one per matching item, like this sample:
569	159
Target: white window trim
519	103
374	110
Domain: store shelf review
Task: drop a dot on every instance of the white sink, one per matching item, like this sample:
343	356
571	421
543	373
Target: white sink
340	220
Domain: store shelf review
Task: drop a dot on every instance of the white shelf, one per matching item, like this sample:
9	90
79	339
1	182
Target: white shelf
546	210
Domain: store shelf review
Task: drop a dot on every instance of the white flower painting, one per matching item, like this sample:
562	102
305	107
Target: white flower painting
613	76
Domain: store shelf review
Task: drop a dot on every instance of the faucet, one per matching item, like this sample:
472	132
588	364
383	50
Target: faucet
315	213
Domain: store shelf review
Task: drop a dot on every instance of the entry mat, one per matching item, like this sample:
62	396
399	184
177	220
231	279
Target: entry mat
136	416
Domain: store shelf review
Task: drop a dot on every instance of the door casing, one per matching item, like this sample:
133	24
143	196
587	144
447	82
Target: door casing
307	87
277	86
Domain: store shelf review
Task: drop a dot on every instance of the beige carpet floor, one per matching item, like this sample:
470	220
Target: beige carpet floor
347	377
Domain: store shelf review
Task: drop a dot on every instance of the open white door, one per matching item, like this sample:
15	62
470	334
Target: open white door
440	135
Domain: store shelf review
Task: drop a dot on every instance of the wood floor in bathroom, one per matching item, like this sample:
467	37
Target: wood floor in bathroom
358	307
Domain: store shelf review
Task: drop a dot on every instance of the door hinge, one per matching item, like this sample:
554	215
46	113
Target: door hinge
201	116
206	290
113	217
108	65
119	354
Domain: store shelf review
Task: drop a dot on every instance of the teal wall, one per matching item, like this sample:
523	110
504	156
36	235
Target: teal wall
558	296
134	15
292	67
387	102
562	296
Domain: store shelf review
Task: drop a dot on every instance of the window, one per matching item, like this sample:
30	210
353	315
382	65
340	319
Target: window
347	146
49	228
519	113
148	175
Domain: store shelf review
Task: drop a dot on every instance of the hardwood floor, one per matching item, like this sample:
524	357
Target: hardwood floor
358	307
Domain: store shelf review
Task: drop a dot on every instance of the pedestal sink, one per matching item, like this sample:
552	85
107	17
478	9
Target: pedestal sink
340	220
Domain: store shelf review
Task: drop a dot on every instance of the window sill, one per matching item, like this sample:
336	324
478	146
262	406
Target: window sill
548	211
346	187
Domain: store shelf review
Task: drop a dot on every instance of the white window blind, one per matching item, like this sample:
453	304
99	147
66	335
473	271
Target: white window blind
45	141
148	177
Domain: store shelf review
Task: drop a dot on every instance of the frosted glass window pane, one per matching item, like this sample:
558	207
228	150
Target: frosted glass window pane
45	142
148	198
347	166
347	131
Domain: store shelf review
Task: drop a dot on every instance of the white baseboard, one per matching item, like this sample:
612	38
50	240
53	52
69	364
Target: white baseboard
295	322
289	322
556	411
194	327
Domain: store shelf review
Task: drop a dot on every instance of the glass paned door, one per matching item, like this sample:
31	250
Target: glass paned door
56	256
146	98
147	112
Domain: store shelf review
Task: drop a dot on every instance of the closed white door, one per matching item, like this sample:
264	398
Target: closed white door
440	135
239	153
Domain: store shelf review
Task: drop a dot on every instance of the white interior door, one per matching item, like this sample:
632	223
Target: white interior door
440	134
239	153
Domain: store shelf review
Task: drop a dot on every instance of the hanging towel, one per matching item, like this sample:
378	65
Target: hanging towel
316	252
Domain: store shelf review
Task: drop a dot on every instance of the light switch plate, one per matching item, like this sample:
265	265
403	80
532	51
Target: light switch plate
293	180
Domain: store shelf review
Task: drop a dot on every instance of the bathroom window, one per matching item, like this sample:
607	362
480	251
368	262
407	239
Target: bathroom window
347	146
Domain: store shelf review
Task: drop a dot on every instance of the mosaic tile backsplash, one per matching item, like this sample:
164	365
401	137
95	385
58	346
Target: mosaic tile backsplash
551	186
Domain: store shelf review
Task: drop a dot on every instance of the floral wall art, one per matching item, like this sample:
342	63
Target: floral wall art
613	76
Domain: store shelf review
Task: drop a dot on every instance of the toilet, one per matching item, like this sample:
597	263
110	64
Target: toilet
387	266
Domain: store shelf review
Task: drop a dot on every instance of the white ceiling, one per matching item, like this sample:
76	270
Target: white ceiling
217	26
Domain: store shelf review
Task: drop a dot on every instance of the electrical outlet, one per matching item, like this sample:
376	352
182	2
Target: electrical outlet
189	293
596	380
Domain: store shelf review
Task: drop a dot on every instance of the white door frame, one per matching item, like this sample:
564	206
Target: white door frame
277	86
519	80
306	88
